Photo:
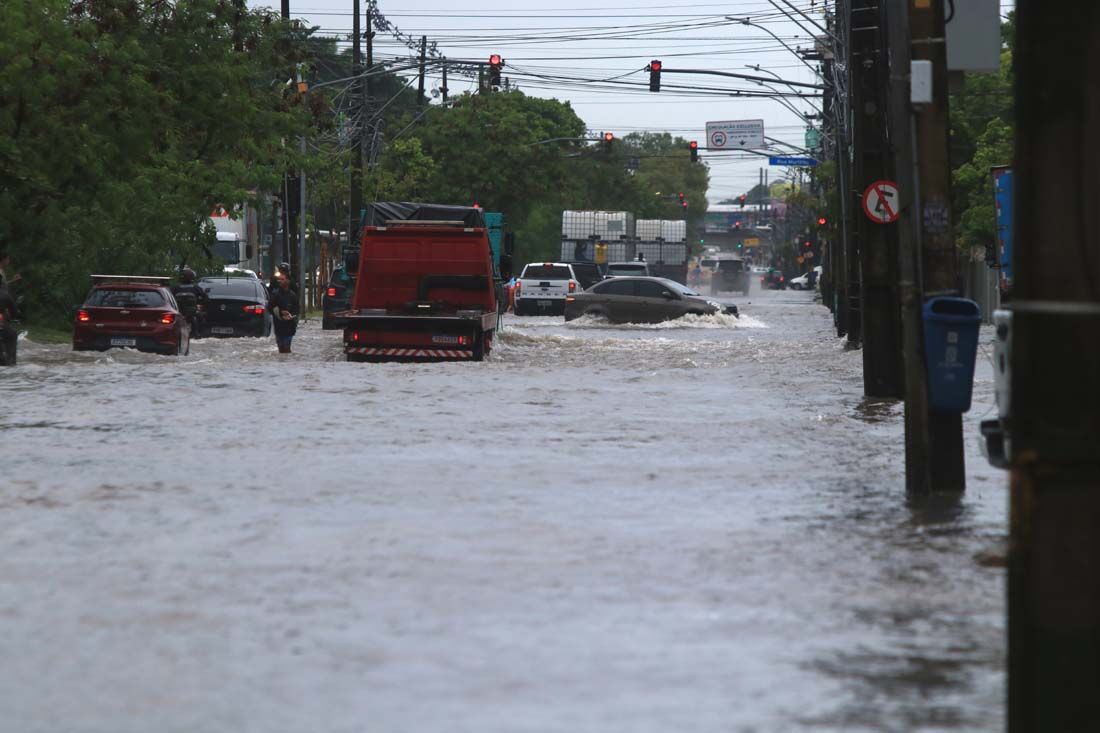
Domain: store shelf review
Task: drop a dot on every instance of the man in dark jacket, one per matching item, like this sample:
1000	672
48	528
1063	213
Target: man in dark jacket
283	305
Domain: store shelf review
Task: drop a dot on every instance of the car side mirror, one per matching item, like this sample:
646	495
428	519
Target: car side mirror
668	295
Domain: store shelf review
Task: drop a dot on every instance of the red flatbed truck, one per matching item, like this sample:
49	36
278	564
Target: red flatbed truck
424	292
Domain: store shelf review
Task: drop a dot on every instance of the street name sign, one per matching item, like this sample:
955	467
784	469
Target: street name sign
792	160
880	202
735	135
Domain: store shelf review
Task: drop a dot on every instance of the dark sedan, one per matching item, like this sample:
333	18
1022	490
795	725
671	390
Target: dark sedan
235	306
640	300
337	298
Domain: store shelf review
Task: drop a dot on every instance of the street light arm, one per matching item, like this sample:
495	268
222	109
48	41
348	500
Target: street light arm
817	25
747	21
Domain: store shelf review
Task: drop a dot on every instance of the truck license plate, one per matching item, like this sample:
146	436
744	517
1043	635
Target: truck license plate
544	303
445	340
222	330
116	341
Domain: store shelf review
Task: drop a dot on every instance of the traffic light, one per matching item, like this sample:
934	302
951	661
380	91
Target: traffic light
684	205
608	138
808	244
495	63
740	245
694	148
737	224
822	221
741	200
654	75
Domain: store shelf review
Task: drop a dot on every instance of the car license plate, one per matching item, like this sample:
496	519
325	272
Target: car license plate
543	303
222	330
445	340
123	342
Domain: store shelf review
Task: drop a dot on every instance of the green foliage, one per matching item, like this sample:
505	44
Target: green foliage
982	136
123	124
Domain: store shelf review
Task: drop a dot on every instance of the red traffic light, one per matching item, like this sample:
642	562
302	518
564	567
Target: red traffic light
495	60
809	244
693	145
654	65
821	221
608	137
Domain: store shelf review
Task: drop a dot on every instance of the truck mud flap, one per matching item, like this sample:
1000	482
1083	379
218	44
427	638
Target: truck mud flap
384	352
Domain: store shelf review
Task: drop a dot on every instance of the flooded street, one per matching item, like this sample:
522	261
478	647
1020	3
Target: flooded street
694	526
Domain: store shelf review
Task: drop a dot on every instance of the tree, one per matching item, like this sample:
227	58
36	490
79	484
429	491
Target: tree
123	124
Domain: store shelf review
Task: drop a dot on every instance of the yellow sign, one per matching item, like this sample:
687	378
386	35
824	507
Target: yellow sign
601	253
800	260
751	241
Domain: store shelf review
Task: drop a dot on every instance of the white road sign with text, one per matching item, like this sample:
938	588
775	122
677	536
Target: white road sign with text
735	135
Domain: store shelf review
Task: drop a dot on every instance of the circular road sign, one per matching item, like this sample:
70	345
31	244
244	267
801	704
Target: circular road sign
717	139
880	202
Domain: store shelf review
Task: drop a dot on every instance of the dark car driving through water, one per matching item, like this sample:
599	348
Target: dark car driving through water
641	300
235	306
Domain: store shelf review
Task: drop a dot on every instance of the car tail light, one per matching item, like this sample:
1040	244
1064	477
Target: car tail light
570	299
83	316
332	292
780	278
257	310
168	319
572	286
1	316
518	283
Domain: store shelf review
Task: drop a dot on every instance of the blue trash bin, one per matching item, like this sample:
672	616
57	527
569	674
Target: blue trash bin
950	350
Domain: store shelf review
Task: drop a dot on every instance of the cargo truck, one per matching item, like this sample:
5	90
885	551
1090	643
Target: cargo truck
425	287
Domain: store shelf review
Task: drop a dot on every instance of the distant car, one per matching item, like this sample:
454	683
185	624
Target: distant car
587	273
759	270
640	300
773	280
802	282
543	287
239	271
235	306
635	268
729	275
132	312
337	299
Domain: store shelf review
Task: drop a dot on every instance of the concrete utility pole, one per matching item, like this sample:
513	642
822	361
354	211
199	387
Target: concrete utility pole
281	251
355	198
876	243
1054	551
939	259
838	264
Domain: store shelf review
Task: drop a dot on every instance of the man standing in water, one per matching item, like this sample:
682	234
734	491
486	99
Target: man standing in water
283	305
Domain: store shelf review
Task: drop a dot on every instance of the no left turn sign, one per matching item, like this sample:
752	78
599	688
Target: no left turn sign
880	202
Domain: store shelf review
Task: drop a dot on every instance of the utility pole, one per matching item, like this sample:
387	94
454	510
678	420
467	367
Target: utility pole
355	202
852	293
939	258
279	252
420	99
833	111
876	243
1054	547
443	89
895	19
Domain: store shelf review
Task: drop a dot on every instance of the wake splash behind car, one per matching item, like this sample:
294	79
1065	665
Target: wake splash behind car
641	300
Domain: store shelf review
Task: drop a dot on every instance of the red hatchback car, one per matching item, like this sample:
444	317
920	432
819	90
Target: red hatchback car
133	312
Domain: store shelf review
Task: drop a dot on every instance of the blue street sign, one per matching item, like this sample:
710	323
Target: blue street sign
791	160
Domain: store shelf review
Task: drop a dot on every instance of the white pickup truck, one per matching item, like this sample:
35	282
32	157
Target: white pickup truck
542	288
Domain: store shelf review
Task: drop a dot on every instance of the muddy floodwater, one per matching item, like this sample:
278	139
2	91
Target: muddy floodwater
696	526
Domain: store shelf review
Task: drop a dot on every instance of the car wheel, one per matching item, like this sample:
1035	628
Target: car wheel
596	313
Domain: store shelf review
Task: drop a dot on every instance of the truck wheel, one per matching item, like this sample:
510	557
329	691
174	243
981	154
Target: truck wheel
479	347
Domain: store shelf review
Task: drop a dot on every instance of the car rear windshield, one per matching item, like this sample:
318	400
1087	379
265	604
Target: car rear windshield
547	272
626	269
239	287
109	298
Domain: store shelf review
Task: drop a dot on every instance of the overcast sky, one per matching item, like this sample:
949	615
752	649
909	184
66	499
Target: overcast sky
611	41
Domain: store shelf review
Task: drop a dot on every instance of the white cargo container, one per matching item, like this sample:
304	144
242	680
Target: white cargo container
648	230
669	253
606	225
672	230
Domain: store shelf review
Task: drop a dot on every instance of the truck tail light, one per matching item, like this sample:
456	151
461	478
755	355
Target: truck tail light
354	335
257	310
83	316
572	286
332	292
168	319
